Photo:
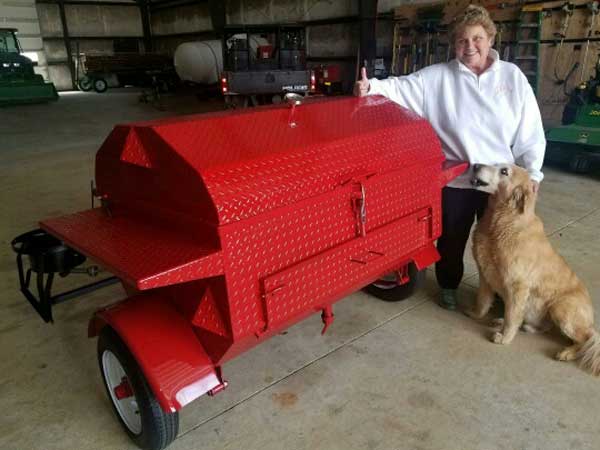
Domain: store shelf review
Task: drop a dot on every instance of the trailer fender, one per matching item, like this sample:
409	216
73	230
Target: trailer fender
165	347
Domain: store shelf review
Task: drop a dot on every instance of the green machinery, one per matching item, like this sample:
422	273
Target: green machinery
577	141
18	82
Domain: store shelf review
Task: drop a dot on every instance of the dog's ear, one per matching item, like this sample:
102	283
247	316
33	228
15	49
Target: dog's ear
520	197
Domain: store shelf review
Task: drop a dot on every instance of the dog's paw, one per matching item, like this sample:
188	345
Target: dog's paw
497	338
501	338
567	354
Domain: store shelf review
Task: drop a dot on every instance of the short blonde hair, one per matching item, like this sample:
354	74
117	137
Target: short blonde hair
472	15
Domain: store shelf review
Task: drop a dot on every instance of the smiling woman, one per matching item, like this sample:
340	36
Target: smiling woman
473	34
484	111
473	47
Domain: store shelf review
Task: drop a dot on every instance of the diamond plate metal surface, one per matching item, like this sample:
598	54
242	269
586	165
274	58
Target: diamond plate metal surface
251	162
208	316
134	151
260	247
275	195
314	282
286	220
143	255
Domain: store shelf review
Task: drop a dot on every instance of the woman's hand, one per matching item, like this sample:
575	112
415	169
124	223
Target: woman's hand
535	186
361	87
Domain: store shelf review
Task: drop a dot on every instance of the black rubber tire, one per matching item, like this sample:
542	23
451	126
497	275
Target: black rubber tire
100	85
402	292
85	84
159	428
580	164
556	154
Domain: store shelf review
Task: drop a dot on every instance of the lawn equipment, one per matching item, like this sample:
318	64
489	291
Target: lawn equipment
18	81
577	141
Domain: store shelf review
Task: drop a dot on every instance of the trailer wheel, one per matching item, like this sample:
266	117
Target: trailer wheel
100	85
388	290
85	84
133	401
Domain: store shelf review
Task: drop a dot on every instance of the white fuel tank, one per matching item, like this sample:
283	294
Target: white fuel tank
202	61
199	62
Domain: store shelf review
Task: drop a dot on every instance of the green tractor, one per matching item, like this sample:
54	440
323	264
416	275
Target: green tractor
577	141
18	82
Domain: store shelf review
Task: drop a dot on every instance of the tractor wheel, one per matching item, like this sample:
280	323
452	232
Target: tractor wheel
85	84
579	164
386	288
133	401
100	85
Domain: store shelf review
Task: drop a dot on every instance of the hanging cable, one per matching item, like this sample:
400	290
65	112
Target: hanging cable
567	8
594	10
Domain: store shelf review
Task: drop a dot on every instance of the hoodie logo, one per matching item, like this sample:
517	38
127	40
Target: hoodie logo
503	90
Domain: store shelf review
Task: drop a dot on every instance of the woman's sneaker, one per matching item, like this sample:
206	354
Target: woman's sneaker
448	299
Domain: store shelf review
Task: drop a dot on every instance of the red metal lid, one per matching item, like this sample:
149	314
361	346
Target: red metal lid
229	166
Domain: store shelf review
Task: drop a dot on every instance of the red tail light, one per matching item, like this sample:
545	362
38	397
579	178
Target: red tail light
313	81
224	87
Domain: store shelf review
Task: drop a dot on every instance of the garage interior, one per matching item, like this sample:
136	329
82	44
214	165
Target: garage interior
386	375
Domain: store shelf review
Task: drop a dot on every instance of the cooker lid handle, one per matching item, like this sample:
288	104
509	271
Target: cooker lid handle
293	99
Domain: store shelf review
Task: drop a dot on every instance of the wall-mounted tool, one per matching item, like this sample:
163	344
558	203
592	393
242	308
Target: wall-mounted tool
567	10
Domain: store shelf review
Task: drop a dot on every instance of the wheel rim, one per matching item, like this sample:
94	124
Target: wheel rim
85	83
120	392
100	85
388	281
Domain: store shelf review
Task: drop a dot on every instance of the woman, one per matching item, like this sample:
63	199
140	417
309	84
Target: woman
484	111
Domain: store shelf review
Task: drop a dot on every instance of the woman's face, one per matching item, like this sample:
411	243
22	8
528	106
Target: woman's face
472	46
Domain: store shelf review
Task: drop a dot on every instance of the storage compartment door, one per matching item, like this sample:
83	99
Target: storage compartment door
332	274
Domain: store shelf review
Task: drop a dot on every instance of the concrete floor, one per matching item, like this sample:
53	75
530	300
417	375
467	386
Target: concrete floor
407	375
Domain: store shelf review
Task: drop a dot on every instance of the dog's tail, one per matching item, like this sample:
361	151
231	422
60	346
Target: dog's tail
590	354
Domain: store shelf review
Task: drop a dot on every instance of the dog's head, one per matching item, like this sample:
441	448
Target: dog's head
508	184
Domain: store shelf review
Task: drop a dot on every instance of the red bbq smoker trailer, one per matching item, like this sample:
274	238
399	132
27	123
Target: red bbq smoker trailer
226	228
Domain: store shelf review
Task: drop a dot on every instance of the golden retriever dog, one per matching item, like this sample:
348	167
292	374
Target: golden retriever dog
517	262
